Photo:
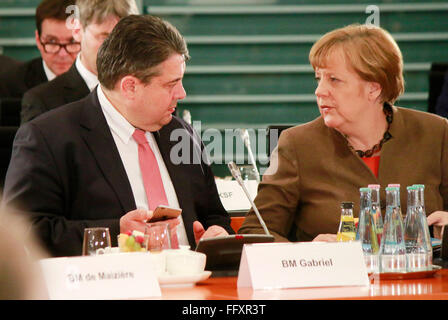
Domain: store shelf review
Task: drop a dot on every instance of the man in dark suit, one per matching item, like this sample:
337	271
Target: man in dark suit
56	45
7	62
96	20
81	165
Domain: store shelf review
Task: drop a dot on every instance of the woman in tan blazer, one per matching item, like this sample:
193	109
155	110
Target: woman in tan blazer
361	138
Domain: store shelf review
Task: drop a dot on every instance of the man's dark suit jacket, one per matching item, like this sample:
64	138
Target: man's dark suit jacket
442	100
19	79
7	63
67	175
66	88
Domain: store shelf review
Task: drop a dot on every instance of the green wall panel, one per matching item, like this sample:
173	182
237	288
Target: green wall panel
299	24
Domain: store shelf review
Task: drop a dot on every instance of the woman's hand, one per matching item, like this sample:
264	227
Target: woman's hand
438	219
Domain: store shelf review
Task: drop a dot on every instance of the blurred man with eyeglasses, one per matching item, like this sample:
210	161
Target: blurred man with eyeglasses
57	48
93	21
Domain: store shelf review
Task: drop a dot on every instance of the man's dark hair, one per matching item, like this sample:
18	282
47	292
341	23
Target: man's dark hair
52	9
136	46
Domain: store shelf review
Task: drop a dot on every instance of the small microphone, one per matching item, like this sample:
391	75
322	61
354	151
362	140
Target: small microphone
186	116
245	136
237	175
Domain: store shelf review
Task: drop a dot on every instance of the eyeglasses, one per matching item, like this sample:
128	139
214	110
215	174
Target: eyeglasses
53	47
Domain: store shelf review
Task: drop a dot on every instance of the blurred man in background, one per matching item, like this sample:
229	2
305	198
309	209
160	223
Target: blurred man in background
96	20
57	47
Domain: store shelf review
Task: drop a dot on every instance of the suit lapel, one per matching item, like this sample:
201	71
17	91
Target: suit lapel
397	147
99	139
35	73
179	174
352	160
75	87
390	148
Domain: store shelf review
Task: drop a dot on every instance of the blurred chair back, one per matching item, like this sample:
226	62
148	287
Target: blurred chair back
279	128
444	251
7	135
10	111
436	79
236	222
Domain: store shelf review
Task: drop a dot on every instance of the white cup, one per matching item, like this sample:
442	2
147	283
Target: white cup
158	260
107	250
183	262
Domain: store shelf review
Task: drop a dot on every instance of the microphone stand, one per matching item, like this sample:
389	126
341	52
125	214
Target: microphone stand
246	139
237	175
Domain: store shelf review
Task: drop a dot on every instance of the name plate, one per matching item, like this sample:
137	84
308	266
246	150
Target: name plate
302	264
232	195
109	276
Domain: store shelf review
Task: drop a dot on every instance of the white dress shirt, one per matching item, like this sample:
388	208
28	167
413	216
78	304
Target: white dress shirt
89	78
122	132
50	74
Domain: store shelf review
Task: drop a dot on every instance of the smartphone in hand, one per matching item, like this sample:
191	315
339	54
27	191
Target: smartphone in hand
164	213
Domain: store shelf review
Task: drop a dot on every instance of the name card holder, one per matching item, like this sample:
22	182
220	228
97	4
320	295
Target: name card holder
109	276
302	264
233	197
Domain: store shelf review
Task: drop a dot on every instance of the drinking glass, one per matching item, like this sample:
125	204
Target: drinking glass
248	172
94	239
249	177
157	237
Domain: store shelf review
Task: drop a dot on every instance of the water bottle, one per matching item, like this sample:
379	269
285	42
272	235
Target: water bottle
418	248
397	186
367	231
346	231
417	253
392	248
376	210
422	209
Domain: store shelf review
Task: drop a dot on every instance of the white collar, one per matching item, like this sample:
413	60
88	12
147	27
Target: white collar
117	123
90	79
50	74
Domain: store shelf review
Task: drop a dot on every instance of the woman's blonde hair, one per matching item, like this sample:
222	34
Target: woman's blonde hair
370	51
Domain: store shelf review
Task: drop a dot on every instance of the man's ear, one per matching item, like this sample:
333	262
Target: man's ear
37	36
129	86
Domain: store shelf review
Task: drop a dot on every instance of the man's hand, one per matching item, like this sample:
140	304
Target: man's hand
213	231
438	219
135	220
172	223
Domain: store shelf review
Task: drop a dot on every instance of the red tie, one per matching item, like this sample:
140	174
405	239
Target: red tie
152	180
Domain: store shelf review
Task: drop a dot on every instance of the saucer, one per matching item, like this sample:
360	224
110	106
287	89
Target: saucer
407	275
169	280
